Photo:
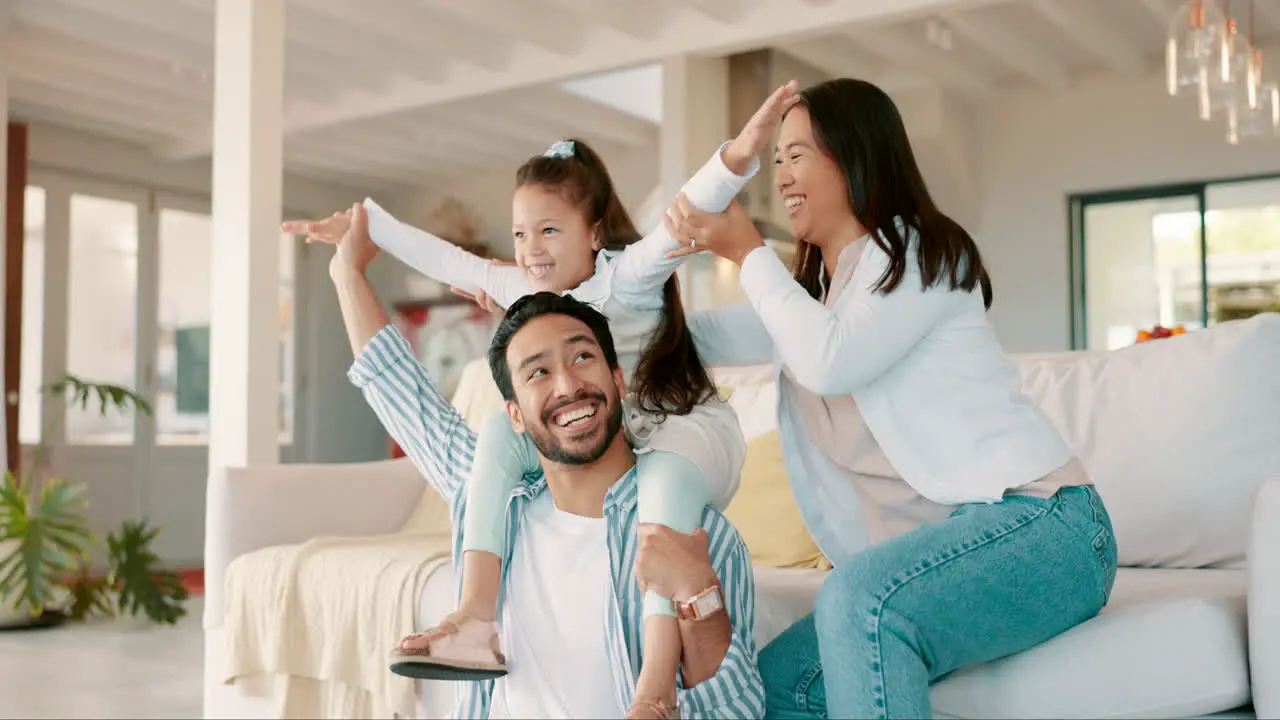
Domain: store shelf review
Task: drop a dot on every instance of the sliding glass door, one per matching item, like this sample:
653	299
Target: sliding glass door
116	289
1189	255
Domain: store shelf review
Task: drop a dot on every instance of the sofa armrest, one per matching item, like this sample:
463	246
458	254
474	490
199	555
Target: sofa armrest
250	508
1264	601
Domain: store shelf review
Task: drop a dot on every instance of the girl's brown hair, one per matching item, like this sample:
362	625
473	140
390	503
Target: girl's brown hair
670	378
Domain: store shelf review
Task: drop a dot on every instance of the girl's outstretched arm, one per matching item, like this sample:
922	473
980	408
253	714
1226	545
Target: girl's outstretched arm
644	266
443	261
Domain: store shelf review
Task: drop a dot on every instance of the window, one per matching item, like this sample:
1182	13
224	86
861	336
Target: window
102	311
182	353
32	372
1191	255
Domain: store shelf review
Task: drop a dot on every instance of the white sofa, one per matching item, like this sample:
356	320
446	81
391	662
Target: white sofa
1182	437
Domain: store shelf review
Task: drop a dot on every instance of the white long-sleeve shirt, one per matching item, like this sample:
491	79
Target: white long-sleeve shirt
626	286
923	366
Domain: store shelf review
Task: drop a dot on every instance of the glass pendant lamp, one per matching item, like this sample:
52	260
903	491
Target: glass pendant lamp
1232	77
1196	35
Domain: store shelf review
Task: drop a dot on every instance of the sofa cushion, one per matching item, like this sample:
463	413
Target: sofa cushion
765	512
1178	434
1171	643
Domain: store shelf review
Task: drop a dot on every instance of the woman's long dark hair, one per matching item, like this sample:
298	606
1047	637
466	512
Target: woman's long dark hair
859	127
670	378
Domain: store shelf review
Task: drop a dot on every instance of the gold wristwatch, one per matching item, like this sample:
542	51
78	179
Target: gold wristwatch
708	602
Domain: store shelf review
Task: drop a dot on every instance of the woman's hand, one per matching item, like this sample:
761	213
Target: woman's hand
729	234
759	129
328	231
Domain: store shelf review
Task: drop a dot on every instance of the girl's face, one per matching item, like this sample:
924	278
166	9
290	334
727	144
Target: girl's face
555	247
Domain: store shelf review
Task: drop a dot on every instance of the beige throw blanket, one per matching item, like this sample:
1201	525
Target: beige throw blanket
322	617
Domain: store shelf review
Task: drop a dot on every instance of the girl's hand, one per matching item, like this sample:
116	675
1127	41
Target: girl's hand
758	131
328	231
730	234
481	297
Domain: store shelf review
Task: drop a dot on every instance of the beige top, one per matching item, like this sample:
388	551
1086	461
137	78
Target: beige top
892	507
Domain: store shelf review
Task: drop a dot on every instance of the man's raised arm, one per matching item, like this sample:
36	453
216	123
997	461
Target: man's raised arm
425	425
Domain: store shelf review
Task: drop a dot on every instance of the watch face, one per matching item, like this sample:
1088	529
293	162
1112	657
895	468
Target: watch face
708	603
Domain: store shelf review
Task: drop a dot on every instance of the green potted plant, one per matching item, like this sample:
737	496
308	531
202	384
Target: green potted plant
46	573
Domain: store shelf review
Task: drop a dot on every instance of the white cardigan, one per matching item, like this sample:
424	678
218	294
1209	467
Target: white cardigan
923	365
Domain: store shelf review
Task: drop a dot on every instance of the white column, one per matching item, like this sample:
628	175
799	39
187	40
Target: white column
4	184
247	190
695	115
695	121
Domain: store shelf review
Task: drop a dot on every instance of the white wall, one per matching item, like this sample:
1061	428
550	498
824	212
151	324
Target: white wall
1105	134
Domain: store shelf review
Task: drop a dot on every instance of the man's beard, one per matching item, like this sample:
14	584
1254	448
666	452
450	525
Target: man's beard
551	449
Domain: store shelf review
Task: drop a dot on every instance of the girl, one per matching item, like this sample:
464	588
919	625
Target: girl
573	236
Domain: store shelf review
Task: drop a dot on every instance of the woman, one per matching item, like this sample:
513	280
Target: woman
903	426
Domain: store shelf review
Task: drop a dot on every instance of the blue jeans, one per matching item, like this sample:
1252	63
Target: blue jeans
989	581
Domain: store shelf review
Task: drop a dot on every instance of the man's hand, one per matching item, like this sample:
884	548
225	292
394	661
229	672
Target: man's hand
355	249
673	564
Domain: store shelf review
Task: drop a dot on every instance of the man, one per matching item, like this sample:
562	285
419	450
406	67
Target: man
578	648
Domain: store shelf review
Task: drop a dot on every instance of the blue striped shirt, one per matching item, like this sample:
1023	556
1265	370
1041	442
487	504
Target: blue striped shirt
436	438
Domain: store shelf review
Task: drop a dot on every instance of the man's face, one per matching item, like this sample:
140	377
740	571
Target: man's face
567	398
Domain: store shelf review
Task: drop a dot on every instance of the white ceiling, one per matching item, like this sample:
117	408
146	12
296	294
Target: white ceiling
410	92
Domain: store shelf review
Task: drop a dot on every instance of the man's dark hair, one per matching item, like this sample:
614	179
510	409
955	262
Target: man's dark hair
534	306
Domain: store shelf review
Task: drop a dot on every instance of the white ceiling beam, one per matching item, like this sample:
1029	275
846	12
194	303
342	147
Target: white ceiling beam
1093	34
1009	47
763	24
493	120
836	56
437	38
329	57
347	173
352	46
38	48
99	29
369	185
464	137
440	141
638	19
98	124
561	33
580	116
146	100
944	67
726	12
394	160
74	103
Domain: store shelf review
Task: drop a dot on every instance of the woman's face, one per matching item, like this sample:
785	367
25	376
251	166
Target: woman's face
555	247
812	185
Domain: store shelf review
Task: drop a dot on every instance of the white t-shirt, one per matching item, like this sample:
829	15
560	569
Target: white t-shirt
553	620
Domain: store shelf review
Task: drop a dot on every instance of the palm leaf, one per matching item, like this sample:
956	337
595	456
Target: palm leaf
142	585
90	595
51	535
